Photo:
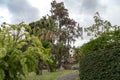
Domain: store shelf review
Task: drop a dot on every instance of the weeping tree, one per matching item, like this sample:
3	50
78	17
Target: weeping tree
68	29
16	62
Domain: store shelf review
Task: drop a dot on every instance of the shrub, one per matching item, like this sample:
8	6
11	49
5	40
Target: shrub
17	59
101	65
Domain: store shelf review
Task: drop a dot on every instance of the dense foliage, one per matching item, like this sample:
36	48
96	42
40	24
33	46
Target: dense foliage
19	52
68	30
106	40
45	29
59	30
104	35
101	65
101	55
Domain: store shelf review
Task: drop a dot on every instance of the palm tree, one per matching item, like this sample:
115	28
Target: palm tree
46	31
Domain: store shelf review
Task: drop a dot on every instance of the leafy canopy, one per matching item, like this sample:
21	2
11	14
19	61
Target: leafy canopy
19	52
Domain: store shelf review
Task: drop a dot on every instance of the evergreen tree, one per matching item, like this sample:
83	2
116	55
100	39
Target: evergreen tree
68	29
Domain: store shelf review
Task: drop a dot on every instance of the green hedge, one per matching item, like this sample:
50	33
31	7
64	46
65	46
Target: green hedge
101	65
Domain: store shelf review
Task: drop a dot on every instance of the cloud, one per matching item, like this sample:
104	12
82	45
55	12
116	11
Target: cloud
2	2
21	10
90	6
86	6
1	17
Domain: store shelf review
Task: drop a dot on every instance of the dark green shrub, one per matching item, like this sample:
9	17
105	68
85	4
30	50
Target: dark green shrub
101	65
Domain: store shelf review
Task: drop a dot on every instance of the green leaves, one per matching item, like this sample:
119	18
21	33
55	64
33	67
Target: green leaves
3	52
99	27
21	44
102	54
101	65
2	74
27	28
19	52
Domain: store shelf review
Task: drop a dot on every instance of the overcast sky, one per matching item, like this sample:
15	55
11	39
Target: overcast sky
15	11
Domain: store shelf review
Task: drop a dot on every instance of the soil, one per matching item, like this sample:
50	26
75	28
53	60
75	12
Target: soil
70	76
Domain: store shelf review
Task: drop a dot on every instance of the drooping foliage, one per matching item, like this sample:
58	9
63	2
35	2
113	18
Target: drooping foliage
16	62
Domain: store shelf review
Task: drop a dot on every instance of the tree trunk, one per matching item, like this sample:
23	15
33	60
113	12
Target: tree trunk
6	75
60	58
39	71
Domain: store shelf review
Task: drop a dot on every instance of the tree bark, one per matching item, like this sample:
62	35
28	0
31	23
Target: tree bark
39	70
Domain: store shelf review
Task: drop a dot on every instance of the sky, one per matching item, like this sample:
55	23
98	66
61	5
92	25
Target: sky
15	11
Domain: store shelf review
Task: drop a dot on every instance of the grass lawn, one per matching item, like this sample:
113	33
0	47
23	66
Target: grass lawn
49	76
77	78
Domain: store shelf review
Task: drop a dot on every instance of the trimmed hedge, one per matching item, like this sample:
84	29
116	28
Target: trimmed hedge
101	65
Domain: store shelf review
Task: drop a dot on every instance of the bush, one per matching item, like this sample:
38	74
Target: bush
17	59
101	65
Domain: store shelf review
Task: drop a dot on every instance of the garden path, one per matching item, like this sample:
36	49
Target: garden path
70	76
